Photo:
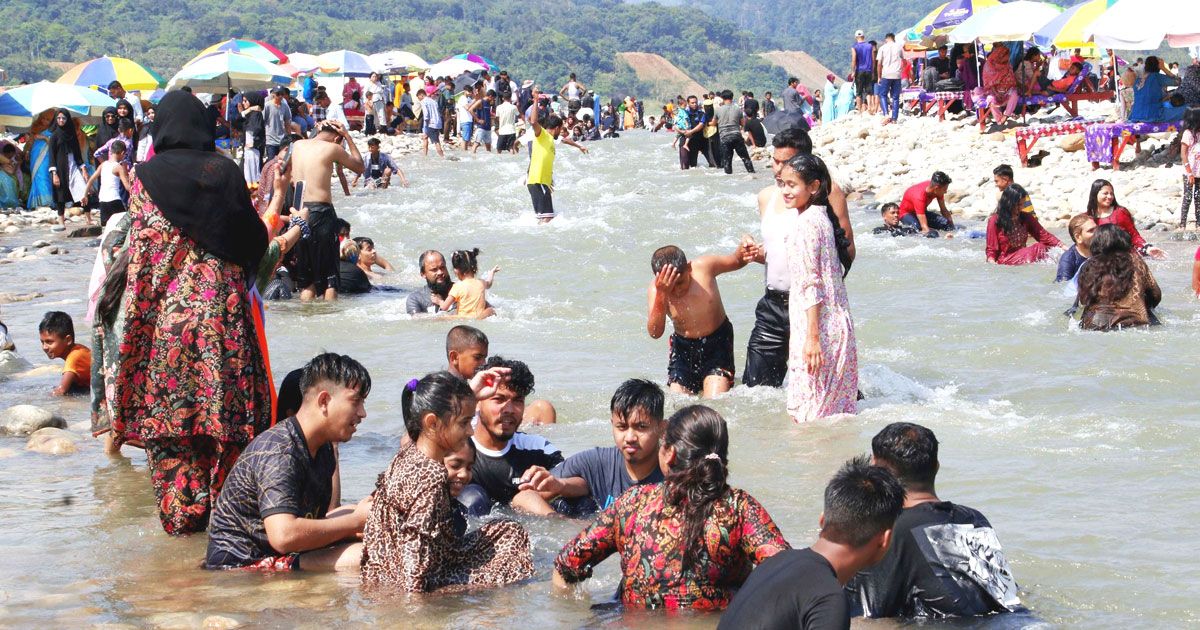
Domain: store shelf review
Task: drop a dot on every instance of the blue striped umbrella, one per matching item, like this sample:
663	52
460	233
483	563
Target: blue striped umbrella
19	106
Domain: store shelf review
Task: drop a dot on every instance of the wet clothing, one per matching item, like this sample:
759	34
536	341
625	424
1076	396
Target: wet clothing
421	301
944	561
79	362
692	360
767	350
731	145
1008	248
901	229
1135	308
1069	264
916	200
317	256
494	471
409	543
543	201
644	529
757	132
276	474
1122	218
794	589
352	279
375	165
603	468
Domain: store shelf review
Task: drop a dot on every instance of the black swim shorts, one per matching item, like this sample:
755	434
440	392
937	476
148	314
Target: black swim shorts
692	360
864	83
317	256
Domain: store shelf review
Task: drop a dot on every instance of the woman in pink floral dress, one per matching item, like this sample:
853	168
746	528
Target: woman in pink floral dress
822	358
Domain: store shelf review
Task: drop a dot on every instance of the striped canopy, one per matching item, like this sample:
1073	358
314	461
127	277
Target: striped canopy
1067	30
104	70
261	51
949	15
19	106
224	70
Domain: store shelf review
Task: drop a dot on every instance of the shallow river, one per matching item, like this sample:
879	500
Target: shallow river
1079	447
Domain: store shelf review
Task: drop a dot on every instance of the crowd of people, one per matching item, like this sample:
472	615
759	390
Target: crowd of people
189	381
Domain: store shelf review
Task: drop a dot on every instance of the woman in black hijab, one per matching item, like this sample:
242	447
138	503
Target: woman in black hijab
125	112
108	127
192	383
65	159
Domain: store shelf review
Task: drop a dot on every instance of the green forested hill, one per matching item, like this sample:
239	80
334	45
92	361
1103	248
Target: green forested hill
539	39
822	28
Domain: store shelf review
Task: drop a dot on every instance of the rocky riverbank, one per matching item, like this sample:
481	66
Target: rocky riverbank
885	159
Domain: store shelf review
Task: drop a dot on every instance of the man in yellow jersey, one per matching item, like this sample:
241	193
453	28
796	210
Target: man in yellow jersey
541	162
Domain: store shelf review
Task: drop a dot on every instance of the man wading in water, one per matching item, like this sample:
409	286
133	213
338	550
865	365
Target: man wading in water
767	350
312	162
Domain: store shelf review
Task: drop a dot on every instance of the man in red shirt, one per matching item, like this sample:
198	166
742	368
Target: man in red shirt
916	201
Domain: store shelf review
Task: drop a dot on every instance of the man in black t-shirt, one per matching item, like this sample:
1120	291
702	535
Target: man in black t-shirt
802	588
945	559
605	473
502	454
274	510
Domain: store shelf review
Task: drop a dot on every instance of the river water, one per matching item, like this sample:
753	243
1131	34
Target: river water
1079	447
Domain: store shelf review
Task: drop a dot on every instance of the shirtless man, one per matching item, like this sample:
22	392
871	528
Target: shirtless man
767	350
701	357
312	162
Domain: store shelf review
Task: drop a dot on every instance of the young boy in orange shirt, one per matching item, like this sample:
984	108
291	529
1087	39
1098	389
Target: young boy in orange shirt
58	342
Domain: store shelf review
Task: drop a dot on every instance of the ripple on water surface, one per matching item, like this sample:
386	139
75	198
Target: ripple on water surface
1079	447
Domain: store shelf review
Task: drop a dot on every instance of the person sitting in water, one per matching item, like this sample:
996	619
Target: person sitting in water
458	470
1081	228
504	454
802	588
378	168
1116	288
429	298
276	510
1008	229
1104	208
351	278
602	474
58	342
369	258
927	573
893	227
915	203
701	357
1002	176
467	350
409	542
688	542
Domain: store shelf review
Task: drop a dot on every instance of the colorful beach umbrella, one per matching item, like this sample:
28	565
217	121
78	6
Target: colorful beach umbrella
1011	21
399	60
20	105
453	67
105	70
347	63
225	70
1144	24
479	59
308	64
950	15
261	51
1067	29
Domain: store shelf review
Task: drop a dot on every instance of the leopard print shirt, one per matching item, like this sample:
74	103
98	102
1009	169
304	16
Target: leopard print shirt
409	542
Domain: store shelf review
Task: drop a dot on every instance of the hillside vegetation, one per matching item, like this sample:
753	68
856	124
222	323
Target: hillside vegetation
539	39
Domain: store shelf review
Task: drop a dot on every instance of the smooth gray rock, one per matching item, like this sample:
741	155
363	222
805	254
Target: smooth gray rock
27	419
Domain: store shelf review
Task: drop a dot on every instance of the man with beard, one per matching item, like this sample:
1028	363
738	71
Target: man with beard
428	299
502	454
